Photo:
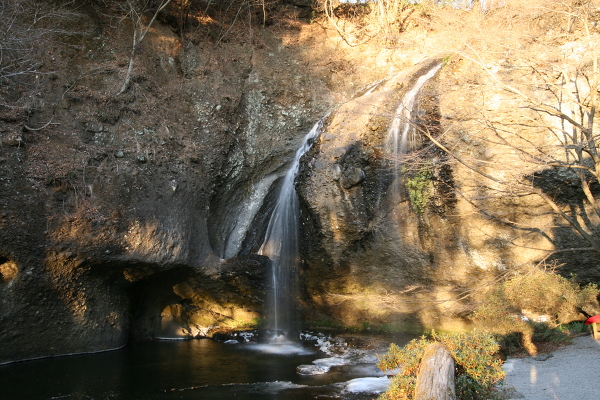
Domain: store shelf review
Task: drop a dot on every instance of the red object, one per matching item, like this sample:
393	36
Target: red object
594	319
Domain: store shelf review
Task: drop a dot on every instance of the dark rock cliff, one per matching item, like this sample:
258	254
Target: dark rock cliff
116	217
137	215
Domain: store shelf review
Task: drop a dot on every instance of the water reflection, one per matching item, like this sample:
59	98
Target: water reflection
195	369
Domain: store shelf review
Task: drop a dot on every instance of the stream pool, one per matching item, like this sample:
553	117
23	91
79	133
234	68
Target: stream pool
190	369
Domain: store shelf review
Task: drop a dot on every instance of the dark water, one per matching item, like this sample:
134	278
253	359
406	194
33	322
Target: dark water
194	369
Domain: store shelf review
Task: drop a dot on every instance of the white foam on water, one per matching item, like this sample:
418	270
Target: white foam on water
246	336
331	361
321	365
256	387
367	385
289	348
366	370
279	339
311	369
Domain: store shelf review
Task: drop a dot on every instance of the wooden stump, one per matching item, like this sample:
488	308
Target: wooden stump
436	375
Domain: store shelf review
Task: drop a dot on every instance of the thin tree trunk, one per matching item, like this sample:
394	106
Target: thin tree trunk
131	60
137	39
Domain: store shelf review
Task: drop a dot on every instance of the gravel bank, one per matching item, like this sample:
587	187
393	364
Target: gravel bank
572	372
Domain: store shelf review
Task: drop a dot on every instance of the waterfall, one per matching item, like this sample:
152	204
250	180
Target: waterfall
402	134
281	244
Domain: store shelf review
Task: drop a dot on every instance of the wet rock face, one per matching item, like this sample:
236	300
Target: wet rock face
276	113
398	248
352	176
370	240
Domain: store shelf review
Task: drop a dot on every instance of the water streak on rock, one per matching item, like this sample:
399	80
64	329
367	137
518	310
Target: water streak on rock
402	134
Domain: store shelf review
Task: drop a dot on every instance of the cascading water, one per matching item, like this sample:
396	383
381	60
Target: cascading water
402	134
281	246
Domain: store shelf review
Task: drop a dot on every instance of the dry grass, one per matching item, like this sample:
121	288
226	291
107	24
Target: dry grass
501	27
512	306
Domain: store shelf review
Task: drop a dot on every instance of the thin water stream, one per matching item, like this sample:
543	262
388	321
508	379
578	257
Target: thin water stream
402	133
281	244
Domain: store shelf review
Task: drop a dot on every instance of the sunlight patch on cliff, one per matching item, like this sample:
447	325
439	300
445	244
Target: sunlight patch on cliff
149	240
8	270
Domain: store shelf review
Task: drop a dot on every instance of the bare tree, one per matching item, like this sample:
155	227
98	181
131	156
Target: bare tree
26	27
136	11
545	133
362	21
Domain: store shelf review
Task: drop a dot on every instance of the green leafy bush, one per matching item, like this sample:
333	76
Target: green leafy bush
477	367
420	188
574	328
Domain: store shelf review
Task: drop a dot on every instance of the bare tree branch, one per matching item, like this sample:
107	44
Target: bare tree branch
135	11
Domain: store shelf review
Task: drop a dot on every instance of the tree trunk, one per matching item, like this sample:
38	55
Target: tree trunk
130	67
436	375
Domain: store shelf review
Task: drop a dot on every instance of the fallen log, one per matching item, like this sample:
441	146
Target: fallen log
435	380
